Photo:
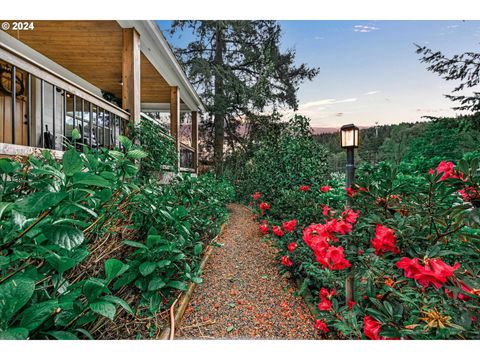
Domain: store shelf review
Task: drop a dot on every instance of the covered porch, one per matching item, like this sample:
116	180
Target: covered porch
97	76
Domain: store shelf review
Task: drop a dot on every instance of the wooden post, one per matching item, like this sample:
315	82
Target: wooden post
195	140
131	100
175	118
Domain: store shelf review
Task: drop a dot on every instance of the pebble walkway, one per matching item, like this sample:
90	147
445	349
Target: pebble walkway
243	295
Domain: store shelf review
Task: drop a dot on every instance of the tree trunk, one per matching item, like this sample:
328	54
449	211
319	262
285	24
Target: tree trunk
219	121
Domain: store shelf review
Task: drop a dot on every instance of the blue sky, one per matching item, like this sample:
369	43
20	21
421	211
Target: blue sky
369	71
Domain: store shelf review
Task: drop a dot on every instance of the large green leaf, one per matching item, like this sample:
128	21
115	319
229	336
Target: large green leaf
60	263
156	284
118	301
39	201
180	285
36	314
14	294
4	206
114	268
104	308
72	162
14	334
65	236
63	335
89	179
147	268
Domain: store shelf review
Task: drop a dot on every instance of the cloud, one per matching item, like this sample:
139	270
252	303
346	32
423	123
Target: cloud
452	26
364	28
372	92
325	102
319	38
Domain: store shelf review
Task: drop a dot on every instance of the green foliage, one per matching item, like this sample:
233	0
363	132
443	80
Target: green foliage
51	212
291	159
159	148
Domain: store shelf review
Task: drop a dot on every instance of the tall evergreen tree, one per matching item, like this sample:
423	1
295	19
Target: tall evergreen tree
239	70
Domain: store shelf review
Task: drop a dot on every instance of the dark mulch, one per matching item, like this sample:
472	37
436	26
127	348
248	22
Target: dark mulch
243	295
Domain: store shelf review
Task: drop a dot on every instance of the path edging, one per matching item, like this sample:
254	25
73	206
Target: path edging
185	298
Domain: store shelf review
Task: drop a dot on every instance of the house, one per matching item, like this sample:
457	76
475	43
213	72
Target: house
96	76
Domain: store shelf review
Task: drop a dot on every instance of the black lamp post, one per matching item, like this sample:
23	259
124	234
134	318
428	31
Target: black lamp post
349	135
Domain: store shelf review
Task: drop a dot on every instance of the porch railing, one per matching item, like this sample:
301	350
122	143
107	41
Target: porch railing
41	108
187	158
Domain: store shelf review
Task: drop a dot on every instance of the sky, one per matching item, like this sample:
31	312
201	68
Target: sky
369	71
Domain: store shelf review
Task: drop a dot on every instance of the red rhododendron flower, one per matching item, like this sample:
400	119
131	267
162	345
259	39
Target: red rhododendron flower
350	216
326	210
304	188
351	304
434	271
325	188
292	246
277	231
324	293
264	206
461	296
322	326
250	204
343	227
431	171
469	194
289	226
384	240
325	305
286	261
256	196
446	168
371	328
264	228
360	252
350	192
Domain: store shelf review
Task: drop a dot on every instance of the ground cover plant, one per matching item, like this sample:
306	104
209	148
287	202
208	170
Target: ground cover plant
55	215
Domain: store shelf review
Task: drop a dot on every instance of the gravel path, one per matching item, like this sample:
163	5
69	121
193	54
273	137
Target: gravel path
243	295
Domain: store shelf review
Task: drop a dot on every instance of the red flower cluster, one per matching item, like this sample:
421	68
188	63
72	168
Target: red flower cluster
371	328
351	304
461	296
264	206
256	196
322	326
292	246
264	227
286	261
351	192
277	231
434	271
304	188
289	226
384	240
318	237
469	194
325	296
447	169
325	188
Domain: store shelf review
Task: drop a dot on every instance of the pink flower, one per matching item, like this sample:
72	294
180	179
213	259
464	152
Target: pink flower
256	196
325	188
384	240
264	206
447	169
325	305
322	326
264	228
292	246
326	210
350	192
350	215
286	261
304	188
289	226
277	231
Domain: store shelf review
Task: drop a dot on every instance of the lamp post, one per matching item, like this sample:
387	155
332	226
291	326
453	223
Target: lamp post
349	135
